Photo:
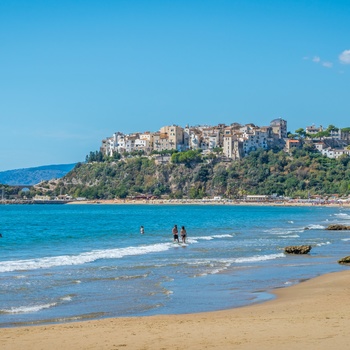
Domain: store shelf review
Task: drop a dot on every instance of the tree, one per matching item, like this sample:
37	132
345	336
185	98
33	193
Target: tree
321	134
301	133
332	128
291	136
218	150
186	157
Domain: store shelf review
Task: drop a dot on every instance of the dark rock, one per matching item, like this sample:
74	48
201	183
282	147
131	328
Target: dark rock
297	249
306	228
345	260
337	227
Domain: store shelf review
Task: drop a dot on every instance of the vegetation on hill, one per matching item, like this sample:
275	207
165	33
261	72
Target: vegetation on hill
190	174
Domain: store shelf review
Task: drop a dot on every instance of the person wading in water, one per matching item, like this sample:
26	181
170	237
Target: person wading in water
175	234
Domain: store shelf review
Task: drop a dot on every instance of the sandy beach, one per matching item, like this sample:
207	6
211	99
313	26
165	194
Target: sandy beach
314	314
293	203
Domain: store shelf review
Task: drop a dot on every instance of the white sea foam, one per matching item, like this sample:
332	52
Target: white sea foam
66	298
205	238
219	265
257	258
342	216
213	272
88	257
290	236
83	258
316	227
323	243
346	239
279	231
223	236
290	222
27	309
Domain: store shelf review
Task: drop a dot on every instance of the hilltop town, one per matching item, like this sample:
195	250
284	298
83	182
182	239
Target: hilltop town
238	162
235	141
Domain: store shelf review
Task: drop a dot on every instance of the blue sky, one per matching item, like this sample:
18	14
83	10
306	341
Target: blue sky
74	72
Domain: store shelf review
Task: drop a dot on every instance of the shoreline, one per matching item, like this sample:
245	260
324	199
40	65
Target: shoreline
313	314
225	202
210	202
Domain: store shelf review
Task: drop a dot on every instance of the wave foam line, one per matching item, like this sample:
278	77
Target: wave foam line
290	236
343	216
83	258
257	258
223	236
316	227
284	231
207	238
27	309
225	263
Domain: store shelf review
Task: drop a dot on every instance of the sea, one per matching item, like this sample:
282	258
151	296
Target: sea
63	263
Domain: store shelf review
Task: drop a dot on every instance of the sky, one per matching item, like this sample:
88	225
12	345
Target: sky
74	72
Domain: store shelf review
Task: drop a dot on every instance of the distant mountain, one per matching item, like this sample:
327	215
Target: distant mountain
32	176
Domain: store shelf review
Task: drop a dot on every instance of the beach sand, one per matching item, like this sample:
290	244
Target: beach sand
314	314
211	202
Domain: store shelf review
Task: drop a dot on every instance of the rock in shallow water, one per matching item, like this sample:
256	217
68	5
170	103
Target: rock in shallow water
345	260
297	249
337	227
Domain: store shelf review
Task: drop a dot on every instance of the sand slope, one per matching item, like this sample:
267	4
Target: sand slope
312	315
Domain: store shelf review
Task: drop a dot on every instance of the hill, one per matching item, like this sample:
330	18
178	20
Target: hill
190	175
32	176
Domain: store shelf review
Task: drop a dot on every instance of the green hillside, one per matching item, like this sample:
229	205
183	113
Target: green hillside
305	172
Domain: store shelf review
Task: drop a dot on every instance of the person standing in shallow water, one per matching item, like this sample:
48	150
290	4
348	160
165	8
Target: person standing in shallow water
183	234
175	234
142	230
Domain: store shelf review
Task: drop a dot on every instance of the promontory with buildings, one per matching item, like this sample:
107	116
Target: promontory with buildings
233	162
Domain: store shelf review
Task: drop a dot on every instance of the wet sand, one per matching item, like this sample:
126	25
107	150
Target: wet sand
314	314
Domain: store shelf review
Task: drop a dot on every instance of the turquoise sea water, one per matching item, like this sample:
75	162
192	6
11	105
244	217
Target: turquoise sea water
63	263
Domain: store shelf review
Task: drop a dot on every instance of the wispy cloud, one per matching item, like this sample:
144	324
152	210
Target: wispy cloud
327	64
317	60
344	57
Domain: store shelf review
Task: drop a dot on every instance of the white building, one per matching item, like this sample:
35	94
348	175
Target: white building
253	140
335	153
214	140
142	145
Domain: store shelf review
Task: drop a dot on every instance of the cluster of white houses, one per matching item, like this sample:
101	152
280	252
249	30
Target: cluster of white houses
236	140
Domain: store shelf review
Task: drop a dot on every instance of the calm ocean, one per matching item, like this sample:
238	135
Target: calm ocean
62	263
